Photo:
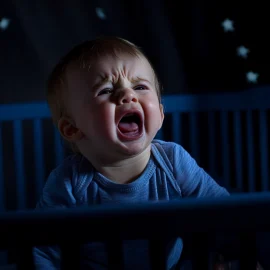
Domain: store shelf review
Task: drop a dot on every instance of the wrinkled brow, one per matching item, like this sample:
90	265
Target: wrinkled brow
101	82
138	79
107	79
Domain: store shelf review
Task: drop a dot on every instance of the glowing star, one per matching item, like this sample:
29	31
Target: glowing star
100	13
252	77
228	25
242	51
4	23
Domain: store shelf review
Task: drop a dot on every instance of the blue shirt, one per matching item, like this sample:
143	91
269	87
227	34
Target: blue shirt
170	174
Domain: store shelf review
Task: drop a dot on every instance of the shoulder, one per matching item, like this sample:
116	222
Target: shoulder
71	168
173	151
64	181
191	178
174	155
164	144
167	147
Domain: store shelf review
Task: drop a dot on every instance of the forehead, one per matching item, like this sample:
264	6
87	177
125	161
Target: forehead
112	67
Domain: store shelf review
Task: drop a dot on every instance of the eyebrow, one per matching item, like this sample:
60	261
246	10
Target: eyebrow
138	79
107	79
101	82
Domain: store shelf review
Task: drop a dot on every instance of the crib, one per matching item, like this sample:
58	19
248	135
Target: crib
196	222
226	133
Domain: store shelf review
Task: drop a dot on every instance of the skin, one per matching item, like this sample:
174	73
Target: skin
96	99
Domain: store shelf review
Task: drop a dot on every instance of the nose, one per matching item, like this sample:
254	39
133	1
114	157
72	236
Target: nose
127	95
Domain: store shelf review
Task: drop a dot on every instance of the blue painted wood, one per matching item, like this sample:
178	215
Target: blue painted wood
240	213
19	164
250	152
59	148
2	187
25	111
238	150
225	147
264	148
212	142
39	156
255	98
194	146
176	127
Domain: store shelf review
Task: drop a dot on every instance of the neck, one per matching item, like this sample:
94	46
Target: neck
126	170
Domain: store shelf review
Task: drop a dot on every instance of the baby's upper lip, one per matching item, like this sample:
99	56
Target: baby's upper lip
126	111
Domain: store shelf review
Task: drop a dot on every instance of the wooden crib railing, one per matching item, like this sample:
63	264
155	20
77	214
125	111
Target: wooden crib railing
244	215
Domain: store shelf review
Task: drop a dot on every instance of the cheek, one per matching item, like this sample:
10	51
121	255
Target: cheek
104	114
100	119
153	114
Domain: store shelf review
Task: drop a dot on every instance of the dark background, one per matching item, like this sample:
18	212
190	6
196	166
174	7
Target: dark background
184	40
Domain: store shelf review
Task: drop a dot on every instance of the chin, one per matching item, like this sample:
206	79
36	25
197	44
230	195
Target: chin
134	148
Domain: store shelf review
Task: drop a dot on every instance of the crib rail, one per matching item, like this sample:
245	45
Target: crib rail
242	214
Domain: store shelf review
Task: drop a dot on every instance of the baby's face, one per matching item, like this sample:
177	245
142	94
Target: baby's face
115	105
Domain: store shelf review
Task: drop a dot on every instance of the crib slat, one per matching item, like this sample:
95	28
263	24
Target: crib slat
212	142
225	147
176	127
59	149
2	187
39	160
238	150
250	152
264	151
19	163
193	135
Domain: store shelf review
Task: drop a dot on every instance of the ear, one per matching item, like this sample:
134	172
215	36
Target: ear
68	130
161	114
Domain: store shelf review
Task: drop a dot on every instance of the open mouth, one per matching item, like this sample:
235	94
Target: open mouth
130	126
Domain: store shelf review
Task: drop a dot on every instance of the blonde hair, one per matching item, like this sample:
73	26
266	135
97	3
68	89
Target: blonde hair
83	55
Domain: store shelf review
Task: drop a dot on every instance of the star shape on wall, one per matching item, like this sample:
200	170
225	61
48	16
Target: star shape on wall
228	25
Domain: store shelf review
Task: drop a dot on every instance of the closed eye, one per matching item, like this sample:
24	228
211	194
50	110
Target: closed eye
140	87
105	91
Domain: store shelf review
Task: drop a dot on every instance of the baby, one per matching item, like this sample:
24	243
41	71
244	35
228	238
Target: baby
105	99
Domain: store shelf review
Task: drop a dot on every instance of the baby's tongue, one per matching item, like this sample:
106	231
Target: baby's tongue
125	127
